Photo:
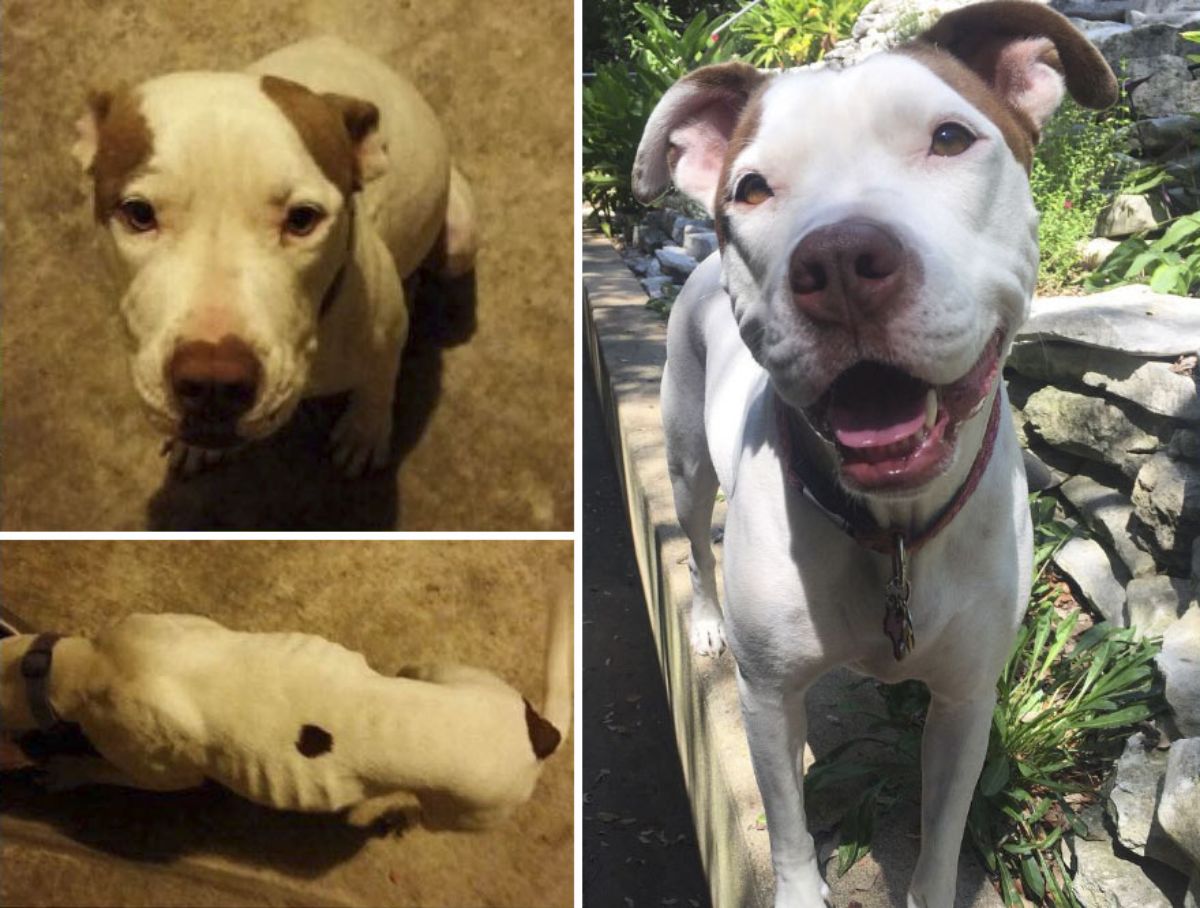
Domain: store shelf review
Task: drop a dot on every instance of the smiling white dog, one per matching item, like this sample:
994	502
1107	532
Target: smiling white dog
266	221
835	368
291	721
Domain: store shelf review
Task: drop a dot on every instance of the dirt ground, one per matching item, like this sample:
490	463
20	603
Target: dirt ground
485	414
396	602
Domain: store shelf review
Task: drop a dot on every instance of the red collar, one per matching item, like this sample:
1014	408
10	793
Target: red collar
855	520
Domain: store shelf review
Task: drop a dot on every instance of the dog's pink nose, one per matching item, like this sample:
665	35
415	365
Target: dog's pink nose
847	270
214	383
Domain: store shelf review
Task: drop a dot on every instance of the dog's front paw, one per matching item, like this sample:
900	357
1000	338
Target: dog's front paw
186	460
708	635
361	440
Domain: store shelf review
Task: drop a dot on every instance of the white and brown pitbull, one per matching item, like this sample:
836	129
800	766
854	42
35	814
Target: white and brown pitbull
288	720
266	221
835	369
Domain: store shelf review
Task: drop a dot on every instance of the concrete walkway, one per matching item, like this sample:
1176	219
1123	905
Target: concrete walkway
627	346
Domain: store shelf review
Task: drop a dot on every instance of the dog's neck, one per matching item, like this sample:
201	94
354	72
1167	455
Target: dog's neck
912	515
66	683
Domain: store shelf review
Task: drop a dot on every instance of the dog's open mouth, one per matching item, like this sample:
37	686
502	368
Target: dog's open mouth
895	431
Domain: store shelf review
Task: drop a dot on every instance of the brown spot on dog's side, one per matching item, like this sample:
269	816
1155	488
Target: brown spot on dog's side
543	736
329	126
743	135
314	741
1019	131
124	143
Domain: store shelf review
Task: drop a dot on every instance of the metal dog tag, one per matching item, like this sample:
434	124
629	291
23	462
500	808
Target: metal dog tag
897	619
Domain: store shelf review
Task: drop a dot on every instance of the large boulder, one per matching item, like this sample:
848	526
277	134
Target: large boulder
1153	604
1133	319
1108	512
1161	388
1179	663
1132	799
1179	806
1089	427
1166	499
1086	563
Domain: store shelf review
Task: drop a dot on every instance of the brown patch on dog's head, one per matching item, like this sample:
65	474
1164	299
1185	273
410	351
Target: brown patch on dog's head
1019	131
115	140
543	736
314	741
1012	60
331	127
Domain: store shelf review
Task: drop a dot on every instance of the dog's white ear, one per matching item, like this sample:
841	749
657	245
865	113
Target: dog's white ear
87	128
1026	52
362	123
689	131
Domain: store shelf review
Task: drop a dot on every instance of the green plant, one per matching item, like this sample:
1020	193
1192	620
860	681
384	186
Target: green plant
1191	38
793	32
1078	156
618	101
1064	701
1170	263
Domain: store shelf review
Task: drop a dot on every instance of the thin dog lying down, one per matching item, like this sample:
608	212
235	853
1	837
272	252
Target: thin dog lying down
288	720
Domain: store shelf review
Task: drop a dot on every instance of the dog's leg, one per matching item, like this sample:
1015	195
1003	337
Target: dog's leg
952	753
396	812
694	484
363	435
776	729
459	239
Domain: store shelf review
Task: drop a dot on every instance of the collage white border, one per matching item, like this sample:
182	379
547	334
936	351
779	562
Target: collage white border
575	535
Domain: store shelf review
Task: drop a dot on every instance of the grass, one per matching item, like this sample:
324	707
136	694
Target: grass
1067	699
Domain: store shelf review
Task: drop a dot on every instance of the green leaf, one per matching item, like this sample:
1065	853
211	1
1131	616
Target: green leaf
858	826
1167	279
1031	874
995	775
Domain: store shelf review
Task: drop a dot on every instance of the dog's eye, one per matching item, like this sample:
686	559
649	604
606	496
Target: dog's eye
752	189
951	139
137	214
302	220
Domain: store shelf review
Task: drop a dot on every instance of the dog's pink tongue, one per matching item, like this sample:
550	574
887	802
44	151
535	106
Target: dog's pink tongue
875	405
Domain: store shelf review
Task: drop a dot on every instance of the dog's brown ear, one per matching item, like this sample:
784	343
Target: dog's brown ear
87	127
362	123
1024	51
340	133
688	132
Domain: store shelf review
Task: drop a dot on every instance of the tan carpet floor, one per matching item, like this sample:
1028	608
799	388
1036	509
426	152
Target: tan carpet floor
486	420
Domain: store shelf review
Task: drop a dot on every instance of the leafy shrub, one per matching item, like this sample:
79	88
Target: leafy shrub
793	32
1064	702
1079	154
1169	263
618	101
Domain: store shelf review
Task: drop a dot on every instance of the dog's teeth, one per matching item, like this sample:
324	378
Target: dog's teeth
931	408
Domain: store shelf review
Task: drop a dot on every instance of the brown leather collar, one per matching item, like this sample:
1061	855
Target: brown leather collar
335	286
35	669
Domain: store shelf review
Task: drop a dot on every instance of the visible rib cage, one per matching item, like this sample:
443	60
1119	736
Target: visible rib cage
290	783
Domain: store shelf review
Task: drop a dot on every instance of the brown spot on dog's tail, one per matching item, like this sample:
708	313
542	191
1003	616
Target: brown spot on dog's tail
314	741
542	735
